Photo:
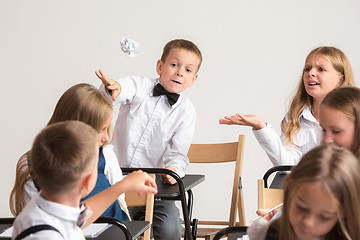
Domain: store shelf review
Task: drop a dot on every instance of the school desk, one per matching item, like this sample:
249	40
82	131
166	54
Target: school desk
176	192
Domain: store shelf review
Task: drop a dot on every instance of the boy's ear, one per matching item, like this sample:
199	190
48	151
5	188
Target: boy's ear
193	80
159	66
87	182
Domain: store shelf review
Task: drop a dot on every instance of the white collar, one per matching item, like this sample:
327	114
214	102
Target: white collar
306	113
58	210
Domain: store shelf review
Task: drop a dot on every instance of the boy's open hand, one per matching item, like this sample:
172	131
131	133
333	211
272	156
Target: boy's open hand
167	178
245	120
139	181
109	83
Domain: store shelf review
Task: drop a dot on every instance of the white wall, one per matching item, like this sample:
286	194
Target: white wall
253	53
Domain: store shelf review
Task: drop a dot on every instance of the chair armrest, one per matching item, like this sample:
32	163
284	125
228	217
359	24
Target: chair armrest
275	169
159	171
117	223
225	231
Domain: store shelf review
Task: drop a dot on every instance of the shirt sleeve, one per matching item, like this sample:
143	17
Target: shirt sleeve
258	229
113	173
176	152
129	88
279	153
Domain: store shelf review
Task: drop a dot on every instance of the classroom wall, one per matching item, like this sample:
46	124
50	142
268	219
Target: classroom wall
253	54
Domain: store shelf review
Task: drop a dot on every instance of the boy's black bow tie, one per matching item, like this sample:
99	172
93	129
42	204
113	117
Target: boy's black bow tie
160	90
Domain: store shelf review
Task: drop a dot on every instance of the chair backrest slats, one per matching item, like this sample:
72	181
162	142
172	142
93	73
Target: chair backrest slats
222	153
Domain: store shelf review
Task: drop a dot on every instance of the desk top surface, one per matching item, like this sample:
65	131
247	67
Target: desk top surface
167	190
136	228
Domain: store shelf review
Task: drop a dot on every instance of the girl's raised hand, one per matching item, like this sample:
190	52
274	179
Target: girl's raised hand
109	83
245	120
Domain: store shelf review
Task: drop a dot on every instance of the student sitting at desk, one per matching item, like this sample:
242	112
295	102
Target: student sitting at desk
321	199
156	122
64	159
82	102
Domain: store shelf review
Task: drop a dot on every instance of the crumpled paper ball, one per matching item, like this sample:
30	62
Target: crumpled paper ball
129	47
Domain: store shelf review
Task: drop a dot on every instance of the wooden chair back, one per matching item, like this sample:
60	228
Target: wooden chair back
133	199
221	153
270	197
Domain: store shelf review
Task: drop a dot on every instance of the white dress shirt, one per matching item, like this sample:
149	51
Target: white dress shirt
149	132
257	230
40	211
280	151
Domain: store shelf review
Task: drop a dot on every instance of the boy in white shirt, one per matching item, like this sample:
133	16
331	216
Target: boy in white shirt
156	123
64	160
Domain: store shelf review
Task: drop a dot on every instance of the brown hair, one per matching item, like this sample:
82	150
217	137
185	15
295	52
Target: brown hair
290	124
338	170
347	101
82	102
182	44
61	153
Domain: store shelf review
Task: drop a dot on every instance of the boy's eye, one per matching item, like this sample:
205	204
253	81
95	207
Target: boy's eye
307	69
173	64
188	70
321	69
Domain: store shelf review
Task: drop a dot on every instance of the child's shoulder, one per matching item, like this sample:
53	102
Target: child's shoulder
139	79
186	102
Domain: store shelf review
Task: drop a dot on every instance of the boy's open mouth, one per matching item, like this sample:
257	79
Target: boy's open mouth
314	83
176	82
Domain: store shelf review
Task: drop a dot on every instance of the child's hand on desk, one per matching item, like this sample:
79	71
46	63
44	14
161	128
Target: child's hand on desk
245	120
167	178
110	84
139	181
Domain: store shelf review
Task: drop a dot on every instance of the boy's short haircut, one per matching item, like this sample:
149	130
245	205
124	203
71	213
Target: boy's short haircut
183	44
61	153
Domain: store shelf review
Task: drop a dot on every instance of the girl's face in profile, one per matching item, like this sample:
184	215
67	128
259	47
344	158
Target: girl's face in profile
103	134
337	128
312	211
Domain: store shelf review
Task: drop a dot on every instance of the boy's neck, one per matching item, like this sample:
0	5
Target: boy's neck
69	199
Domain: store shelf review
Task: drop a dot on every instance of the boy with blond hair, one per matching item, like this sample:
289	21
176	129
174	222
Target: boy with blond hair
64	159
156	123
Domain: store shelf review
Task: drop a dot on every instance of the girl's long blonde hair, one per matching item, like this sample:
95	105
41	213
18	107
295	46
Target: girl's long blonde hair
338	171
290	124
82	102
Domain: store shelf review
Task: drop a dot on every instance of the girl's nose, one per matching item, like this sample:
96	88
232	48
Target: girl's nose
327	138
312	72
309	220
105	137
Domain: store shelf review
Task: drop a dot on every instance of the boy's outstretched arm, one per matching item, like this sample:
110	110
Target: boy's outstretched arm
137	181
109	83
